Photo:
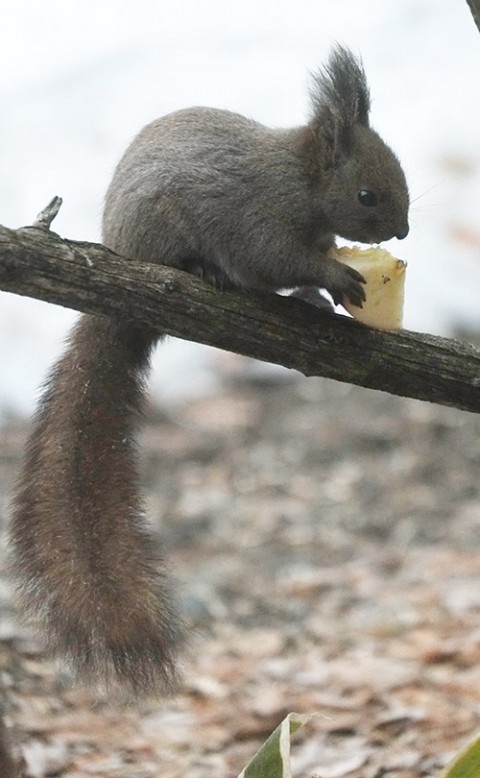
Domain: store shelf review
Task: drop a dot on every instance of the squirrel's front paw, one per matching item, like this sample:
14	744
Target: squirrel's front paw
343	281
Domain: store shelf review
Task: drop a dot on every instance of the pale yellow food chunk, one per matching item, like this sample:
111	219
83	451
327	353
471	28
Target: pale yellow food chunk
384	288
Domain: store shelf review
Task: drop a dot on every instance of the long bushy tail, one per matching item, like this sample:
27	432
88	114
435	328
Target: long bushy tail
88	571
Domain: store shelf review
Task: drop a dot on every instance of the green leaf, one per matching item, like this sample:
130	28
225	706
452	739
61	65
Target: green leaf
467	764
273	758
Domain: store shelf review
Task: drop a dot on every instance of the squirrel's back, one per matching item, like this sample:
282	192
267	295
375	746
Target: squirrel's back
203	184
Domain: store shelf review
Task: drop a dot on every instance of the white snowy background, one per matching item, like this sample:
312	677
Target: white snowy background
78	79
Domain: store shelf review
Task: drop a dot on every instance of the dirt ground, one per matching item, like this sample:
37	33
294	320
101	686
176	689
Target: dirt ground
326	545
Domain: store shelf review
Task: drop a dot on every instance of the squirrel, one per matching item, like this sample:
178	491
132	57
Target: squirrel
244	207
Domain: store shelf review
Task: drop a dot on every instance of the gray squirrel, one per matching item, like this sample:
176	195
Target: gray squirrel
243	206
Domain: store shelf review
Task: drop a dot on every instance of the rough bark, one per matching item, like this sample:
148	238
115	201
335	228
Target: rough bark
88	277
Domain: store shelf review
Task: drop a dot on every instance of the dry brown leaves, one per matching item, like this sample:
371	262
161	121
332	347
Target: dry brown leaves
326	540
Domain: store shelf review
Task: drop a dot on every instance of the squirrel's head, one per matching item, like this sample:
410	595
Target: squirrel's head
366	195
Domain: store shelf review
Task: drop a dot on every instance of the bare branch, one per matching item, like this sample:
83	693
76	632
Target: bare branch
90	278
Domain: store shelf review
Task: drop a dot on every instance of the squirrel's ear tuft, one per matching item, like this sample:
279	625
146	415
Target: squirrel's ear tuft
340	98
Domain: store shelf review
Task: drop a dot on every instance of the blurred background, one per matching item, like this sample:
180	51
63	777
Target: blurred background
324	537
77	82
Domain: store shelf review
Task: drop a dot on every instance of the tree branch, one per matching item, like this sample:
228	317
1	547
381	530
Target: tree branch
90	278
475	9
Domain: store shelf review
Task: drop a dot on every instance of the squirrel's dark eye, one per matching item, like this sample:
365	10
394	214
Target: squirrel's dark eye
367	198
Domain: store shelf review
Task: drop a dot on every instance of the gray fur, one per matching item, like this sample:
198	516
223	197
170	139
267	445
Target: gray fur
340	94
211	191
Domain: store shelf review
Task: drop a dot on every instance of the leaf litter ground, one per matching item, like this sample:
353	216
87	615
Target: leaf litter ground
326	545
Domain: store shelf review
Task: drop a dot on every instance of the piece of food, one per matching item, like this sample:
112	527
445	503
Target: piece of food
384	288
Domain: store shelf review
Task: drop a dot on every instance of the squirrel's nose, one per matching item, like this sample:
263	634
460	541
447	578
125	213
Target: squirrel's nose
403	231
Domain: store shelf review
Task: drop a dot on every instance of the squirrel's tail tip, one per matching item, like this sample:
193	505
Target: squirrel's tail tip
144	668
141	663
128	653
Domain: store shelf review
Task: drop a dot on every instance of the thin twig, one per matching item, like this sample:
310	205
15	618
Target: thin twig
46	217
475	9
